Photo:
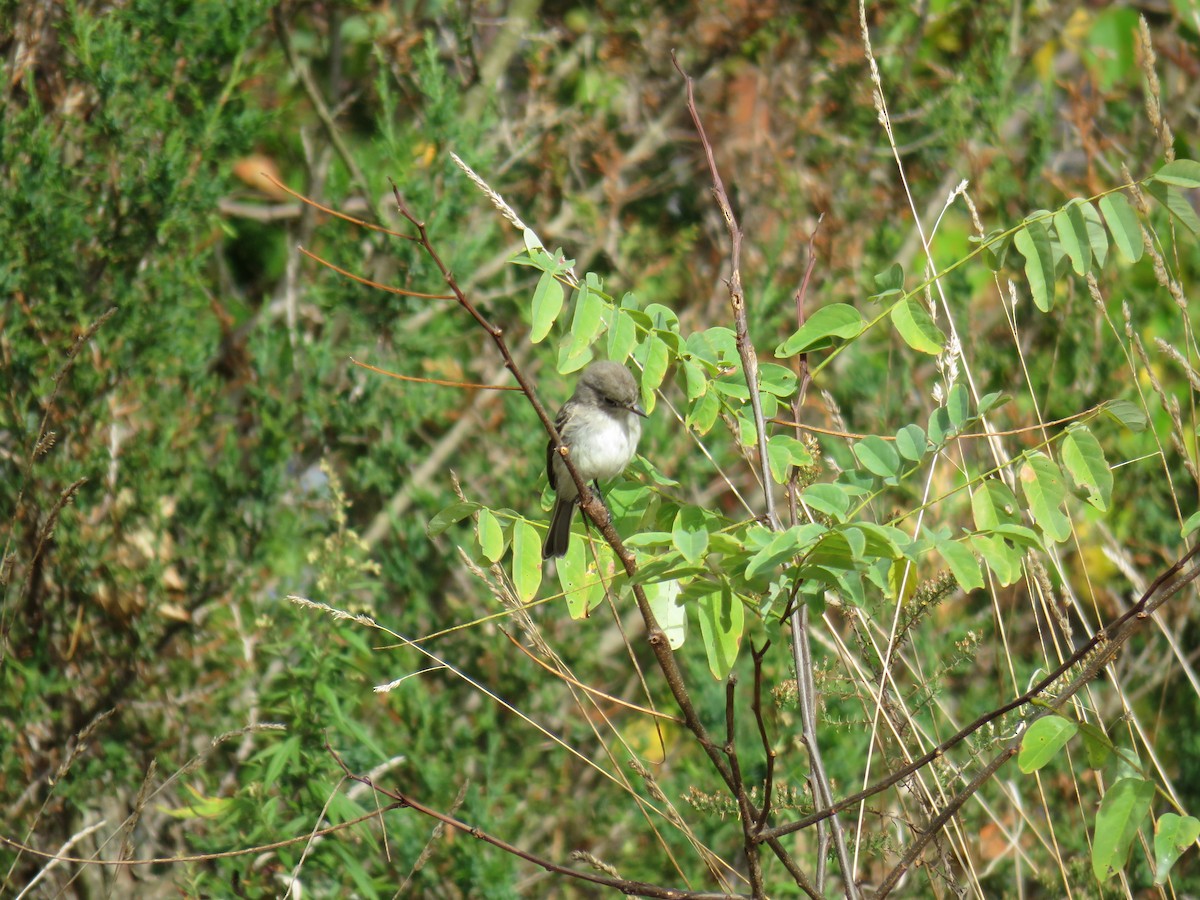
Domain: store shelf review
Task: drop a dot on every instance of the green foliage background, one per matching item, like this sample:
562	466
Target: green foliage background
152	670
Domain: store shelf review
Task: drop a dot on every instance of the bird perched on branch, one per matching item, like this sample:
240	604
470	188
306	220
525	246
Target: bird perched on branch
600	427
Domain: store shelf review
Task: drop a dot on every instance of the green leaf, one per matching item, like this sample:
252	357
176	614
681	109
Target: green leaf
1172	835
547	304
654	358
1123	224
1003	559
722	621
916	326
453	513
585	323
1073	235
1127	413
837	550
911	442
889	282
1183	173
938	427
491	535
666	602
1084	460
1177	204
882	541
666	567
827	498
783	453
1097	235
1190	524
777	380
877	456
622	336
1033	243
703	414
963	564
581	584
996	247
993	504
690	533
527	560
1122	810
1042	741
958	407
532	242
782	548
1042	484
1096	743
837	320
694	378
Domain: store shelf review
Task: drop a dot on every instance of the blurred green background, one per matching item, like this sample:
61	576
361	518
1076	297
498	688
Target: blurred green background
214	450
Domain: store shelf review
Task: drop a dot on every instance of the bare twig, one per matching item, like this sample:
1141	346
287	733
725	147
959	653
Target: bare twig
749	360
1110	637
1101	650
639	888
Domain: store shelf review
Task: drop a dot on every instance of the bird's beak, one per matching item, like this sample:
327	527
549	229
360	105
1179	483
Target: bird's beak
637	408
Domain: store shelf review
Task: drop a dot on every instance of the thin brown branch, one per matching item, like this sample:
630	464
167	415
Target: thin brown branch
1113	634
626	886
465	385
746	813
749	360
374	284
370	226
1106	649
593	507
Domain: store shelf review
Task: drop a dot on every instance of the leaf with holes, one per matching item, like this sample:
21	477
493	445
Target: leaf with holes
1084	460
1042	741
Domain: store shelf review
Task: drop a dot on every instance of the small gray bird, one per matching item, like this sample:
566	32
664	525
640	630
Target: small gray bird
600	426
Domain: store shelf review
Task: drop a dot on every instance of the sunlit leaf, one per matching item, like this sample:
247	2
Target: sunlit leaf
837	320
1073	235
690	533
453	513
1042	741
913	322
1172	835
1123	224
527	560
877	456
1183	173
1084	460
1177	204
491	535
666	602
1042	484
547	304
911	443
963	564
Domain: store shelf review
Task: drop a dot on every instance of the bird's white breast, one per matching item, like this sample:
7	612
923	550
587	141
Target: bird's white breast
609	447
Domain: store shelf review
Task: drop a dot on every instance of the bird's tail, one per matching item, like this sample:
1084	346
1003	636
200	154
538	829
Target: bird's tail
559	534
